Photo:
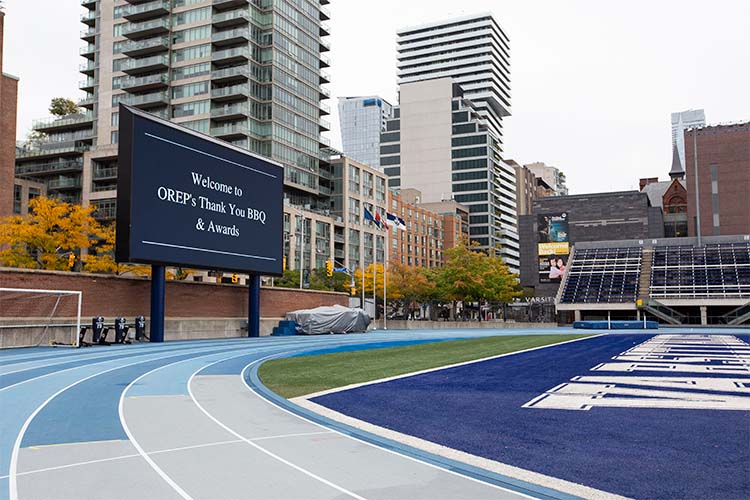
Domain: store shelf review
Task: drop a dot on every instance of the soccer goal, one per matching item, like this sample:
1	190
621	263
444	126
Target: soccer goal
31	317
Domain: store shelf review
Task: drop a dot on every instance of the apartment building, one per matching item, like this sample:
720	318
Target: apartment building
248	72
8	108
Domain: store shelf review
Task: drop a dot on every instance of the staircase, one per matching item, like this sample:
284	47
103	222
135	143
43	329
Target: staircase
644	282
663	312
738	316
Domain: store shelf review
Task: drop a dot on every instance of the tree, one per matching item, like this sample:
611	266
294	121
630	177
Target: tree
34	137
379	279
318	279
101	259
48	235
407	282
60	106
472	275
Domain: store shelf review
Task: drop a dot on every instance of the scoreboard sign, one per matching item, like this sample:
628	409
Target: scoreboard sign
186	199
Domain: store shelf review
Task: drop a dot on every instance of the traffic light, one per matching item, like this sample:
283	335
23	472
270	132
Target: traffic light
329	268
283	264
71	260
354	291
235	278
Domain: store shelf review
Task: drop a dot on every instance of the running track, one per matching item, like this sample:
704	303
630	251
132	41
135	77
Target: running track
191	420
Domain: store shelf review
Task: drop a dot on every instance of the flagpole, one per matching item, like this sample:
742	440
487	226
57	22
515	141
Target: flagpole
385	276
375	273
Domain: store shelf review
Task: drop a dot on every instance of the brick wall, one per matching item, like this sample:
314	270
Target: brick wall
723	193
8	100
111	296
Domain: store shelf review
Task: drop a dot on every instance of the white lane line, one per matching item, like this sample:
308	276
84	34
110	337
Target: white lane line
12	483
444	367
393	452
168	450
260	448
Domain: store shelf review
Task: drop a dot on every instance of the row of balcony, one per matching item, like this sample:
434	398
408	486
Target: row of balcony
134	48
149	82
61	183
57	166
105	173
145	101
146	10
145	64
55	123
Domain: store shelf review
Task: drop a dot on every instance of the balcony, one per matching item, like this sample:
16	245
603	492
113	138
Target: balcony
146	101
88	84
325	30
324	125
325	141
144	11
233	74
145	65
87	102
230	93
231	37
324	77
89	18
62	183
325	93
70	122
229	4
325	14
325	61
325	109
230	111
146	29
227	56
106	173
324	46
89	51
89	35
88	68
230	131
149	82
89	4
57	166
231	18
137	48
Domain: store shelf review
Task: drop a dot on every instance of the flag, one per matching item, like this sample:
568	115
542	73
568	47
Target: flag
368	216
378	220
396	221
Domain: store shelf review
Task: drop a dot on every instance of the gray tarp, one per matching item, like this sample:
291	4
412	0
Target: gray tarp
329	319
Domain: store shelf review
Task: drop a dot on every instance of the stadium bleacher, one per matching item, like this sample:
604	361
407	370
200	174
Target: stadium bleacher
712	271
603	275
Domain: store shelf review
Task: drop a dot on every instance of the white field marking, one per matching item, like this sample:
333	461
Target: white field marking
157	452
430	370
685	383
12	484
373	445
260	448
134	441
587	392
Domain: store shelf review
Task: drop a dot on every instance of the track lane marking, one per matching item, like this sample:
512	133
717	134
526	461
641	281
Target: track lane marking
13	469
260	448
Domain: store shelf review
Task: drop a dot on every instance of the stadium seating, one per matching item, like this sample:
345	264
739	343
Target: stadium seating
711	271
603	275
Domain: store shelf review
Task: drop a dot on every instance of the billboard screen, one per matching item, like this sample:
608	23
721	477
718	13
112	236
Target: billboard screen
552	227
552	267
186	199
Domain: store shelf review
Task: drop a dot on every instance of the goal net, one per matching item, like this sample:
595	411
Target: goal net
39	317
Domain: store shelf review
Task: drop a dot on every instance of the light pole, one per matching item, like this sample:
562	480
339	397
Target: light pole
301	247
697	197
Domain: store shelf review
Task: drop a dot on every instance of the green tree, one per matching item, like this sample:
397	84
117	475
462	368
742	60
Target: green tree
290	279
61	106
48	235
339	282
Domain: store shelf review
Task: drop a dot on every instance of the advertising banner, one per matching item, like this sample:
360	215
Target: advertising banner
552	227
186	199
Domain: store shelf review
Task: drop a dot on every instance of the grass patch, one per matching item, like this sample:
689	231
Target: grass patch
292	377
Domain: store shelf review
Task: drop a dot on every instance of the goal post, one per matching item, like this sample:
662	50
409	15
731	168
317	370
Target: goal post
33	317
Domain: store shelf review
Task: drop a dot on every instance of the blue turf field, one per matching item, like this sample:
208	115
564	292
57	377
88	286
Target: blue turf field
635	452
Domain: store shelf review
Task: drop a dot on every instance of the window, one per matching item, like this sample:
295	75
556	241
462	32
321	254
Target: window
390	160
17	194
465	153
190	109
191	89
390	137
191	16
192	34
469	140
191	71
197	125
188	53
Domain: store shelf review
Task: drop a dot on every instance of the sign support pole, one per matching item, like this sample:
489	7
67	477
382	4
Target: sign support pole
158	285
253	306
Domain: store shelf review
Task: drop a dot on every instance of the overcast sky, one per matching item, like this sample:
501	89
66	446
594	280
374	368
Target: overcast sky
593	82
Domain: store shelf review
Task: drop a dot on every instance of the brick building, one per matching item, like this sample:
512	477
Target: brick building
723	179
8	108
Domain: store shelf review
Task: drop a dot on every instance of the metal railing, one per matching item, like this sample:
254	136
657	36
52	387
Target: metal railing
62	121
227	53
133	28
131	64
56	166
105	173
64	183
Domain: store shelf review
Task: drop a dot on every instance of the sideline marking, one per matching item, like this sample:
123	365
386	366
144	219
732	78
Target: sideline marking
430	370
260	448
379	447
12	483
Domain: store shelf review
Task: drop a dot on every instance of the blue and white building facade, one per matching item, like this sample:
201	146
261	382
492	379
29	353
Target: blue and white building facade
362	120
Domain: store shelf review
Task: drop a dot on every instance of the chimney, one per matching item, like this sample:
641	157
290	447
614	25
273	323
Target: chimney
646	181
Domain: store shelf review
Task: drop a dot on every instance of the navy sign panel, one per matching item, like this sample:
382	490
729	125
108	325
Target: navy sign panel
186	199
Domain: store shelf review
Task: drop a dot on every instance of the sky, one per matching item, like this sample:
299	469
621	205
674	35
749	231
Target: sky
593	82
